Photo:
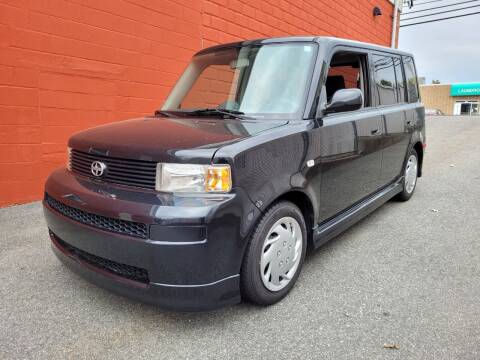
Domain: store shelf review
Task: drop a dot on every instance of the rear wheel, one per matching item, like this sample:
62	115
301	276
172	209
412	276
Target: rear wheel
409	176
274	255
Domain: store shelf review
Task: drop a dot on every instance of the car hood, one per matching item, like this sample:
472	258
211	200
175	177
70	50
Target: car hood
167	139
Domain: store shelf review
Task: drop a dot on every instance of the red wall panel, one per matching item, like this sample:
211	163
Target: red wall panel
66	65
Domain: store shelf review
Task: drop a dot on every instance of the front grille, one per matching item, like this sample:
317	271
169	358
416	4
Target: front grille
119	269
129	172
125	227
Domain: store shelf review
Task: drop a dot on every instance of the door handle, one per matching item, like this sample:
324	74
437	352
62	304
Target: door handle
376	132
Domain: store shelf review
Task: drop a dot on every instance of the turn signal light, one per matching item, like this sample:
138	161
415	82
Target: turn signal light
219	178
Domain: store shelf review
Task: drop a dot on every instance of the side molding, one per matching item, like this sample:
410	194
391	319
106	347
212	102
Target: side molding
324	232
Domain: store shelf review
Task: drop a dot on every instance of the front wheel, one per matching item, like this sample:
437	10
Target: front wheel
274	255
409	177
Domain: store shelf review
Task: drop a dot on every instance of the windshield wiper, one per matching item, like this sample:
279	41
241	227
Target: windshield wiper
219	111
164	113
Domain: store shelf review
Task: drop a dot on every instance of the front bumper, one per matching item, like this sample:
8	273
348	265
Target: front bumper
192	250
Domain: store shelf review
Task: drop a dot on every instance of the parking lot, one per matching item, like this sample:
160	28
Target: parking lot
404	283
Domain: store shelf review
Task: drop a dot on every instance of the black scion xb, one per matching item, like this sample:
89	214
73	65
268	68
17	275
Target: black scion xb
263	149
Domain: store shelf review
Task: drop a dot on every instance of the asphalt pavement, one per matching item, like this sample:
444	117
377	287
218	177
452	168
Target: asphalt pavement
404	283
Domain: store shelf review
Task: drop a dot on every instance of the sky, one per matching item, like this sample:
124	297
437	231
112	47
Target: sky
448	50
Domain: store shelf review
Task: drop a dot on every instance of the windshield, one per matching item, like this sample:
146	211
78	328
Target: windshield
258	80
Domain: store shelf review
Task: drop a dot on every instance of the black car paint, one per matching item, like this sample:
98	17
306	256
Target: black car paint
353	173
180	139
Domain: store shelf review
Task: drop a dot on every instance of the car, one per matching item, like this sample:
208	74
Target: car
433	112
262	150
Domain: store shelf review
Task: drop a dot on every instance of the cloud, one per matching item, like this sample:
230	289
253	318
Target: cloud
448	50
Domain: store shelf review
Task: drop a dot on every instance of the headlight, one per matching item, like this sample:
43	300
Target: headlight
69	158
193	178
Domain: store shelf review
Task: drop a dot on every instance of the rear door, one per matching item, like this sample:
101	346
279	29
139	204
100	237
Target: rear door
414	110
391	100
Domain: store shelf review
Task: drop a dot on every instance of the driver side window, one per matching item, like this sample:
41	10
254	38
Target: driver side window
347	71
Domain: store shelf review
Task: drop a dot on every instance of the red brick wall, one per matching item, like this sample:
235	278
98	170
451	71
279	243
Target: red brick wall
212	88
350	75
66	65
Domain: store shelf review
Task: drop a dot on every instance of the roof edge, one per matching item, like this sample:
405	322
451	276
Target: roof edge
305	38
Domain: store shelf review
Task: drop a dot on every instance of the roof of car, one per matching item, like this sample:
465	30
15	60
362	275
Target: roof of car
318	39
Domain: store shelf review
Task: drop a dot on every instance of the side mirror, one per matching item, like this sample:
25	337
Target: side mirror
345	100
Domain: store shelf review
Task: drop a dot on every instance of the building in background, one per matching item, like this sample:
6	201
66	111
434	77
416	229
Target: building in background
452	99
66	65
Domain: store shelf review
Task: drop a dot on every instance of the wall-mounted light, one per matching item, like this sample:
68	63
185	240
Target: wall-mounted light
377	11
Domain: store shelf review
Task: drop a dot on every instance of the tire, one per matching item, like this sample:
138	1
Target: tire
410	176
274	249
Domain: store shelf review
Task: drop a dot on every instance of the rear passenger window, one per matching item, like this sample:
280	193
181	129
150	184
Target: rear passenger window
411	76
400	80
385	81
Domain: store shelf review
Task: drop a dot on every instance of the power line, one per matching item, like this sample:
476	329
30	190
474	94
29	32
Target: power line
407	2
440	12
439	7
435	20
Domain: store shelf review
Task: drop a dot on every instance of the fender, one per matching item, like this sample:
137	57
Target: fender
417	137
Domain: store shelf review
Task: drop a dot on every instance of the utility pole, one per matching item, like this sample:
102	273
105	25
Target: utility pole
395	21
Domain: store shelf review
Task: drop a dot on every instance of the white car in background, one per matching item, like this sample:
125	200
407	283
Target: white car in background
433	112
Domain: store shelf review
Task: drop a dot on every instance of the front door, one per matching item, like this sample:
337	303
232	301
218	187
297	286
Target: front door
349	143
466	108
350	159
